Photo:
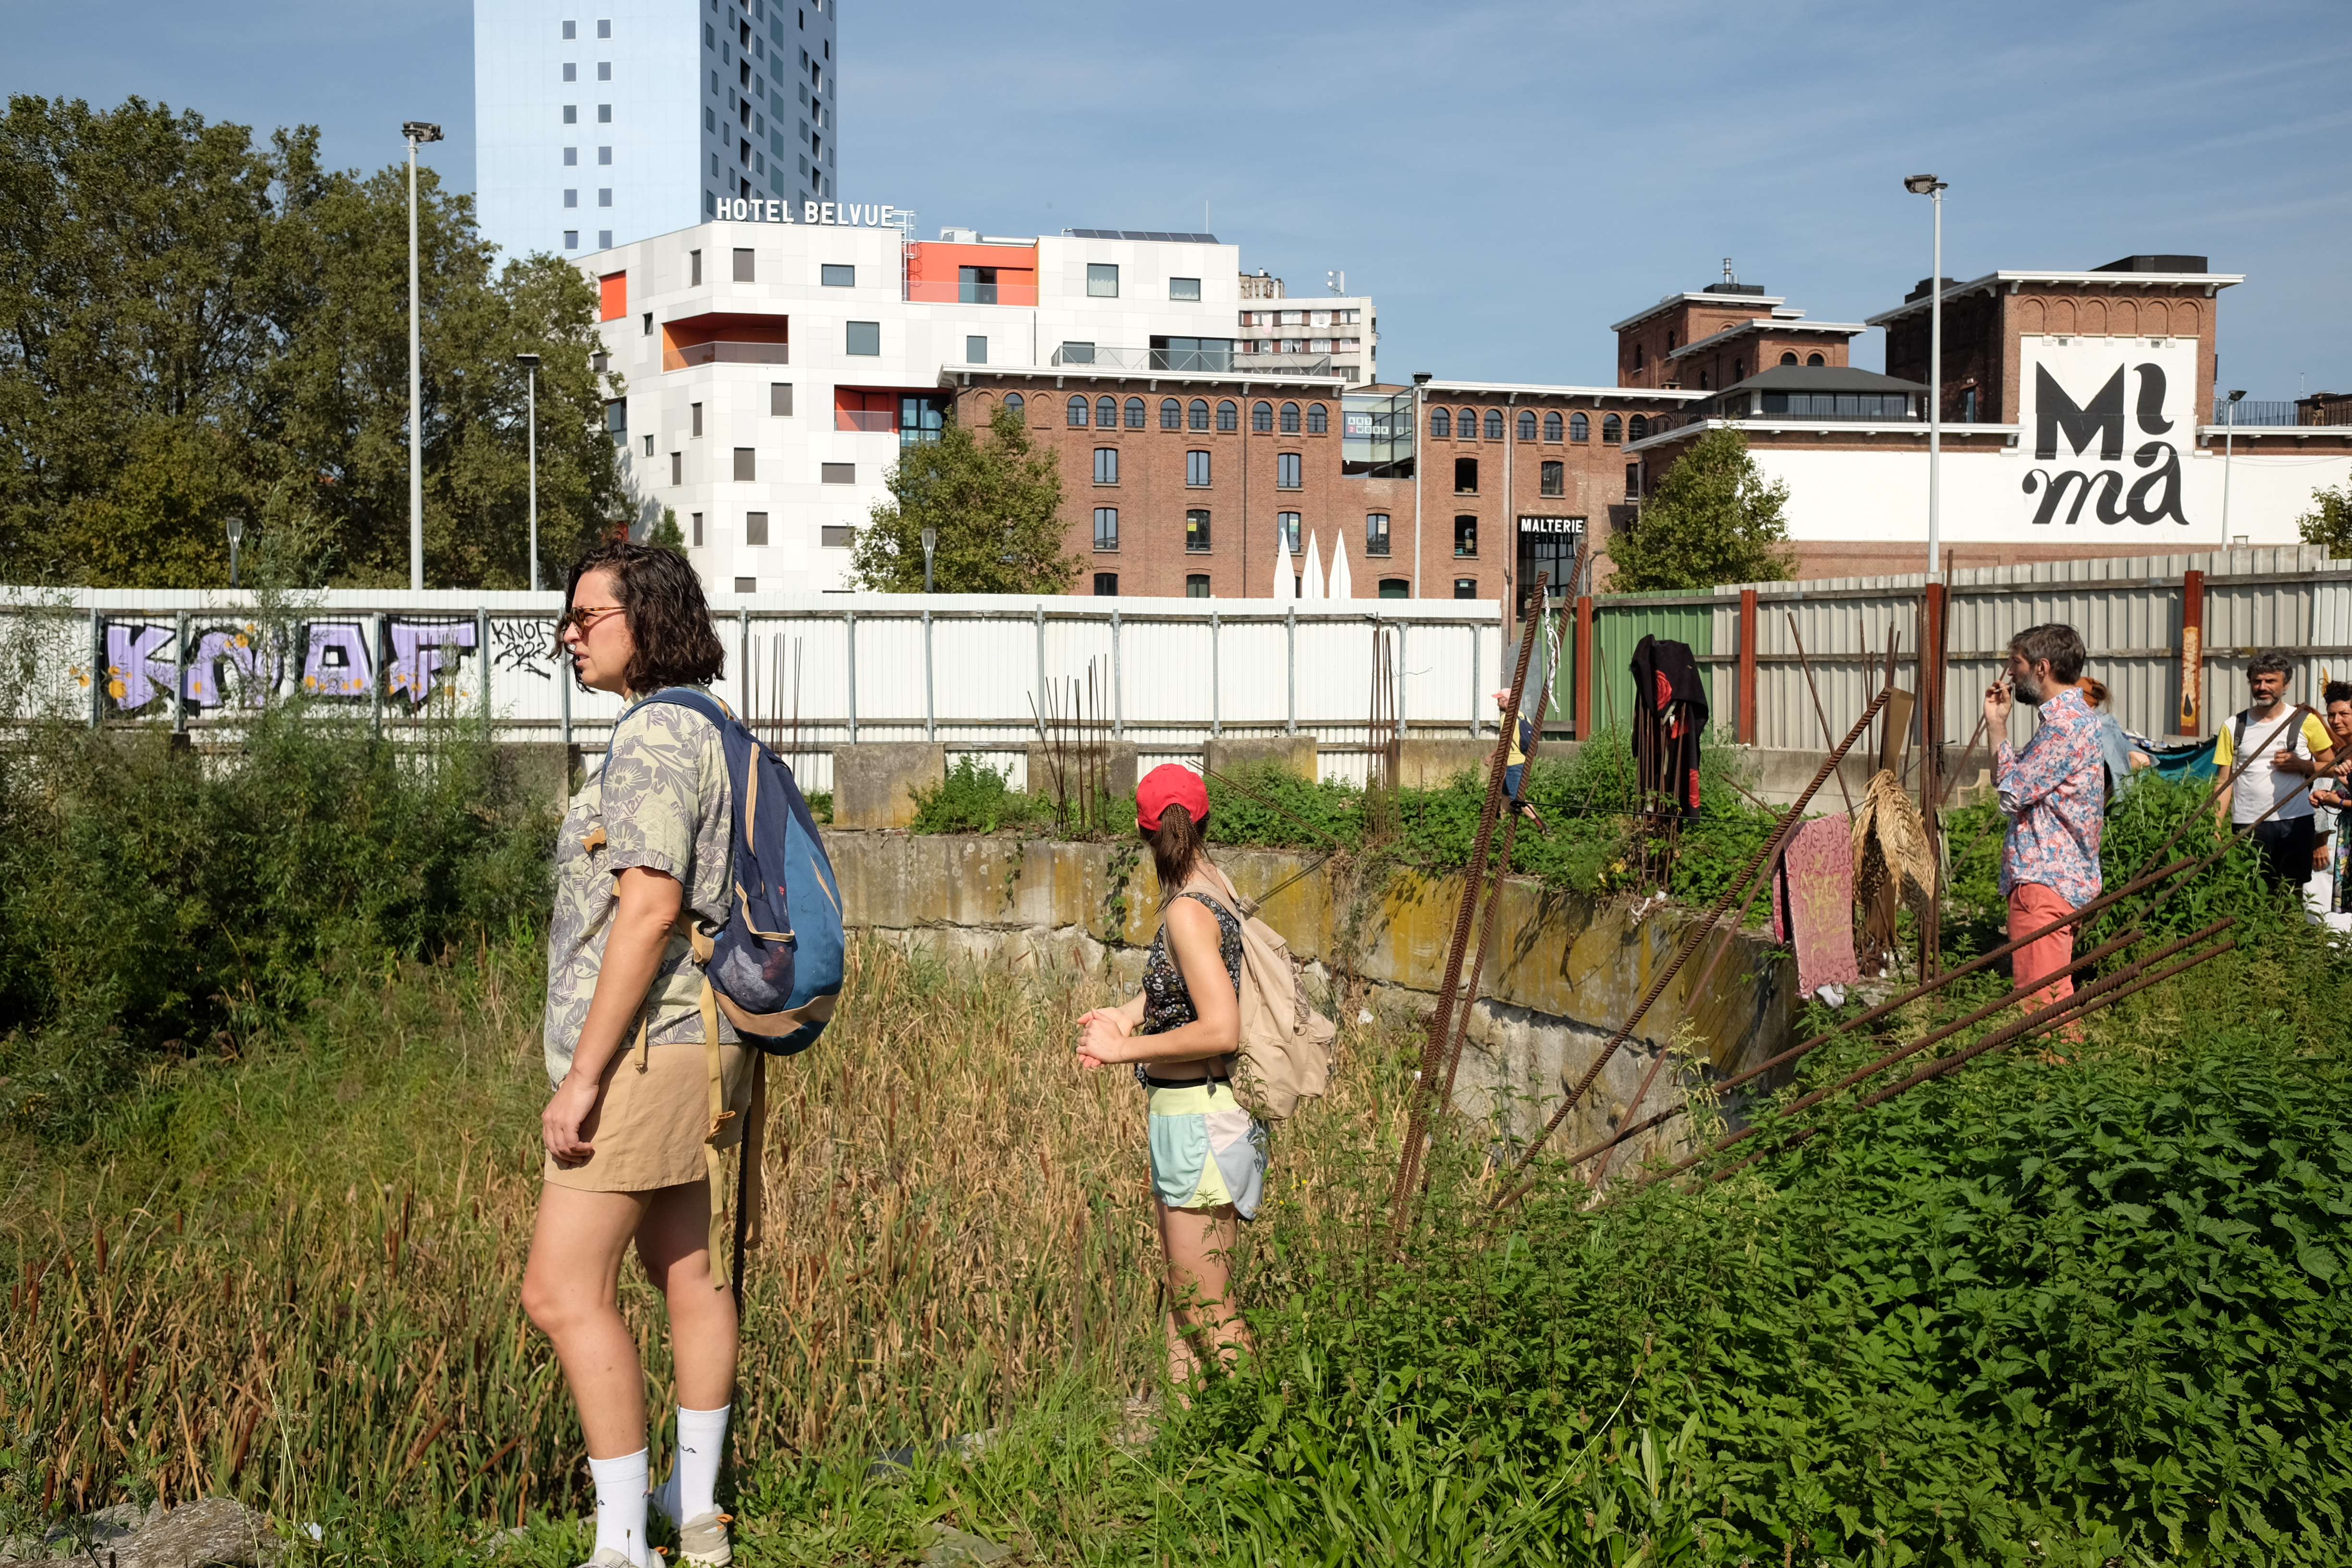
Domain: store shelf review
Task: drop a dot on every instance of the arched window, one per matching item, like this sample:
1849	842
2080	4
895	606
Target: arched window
1466	424
1106	413
1198	413
1494	425
1171	414
1637	427
1319	422
1551	427
1261	415
1526	425
1441	425
1229	414
1789	358
1612	429
1637	356
1079	406
1815	359
1738	371
1015	402
1135	414
1290	419
1580	427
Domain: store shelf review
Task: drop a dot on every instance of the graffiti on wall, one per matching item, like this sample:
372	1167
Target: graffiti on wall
232	664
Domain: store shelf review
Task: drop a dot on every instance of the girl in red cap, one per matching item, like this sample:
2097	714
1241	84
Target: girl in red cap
1208	1154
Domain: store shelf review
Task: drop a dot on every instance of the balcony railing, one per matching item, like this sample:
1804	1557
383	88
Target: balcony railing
881	419
734	353
1094	356
976	293
1283	364
2320	411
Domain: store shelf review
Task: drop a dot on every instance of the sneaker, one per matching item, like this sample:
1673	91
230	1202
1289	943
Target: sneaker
607	1558
701	1540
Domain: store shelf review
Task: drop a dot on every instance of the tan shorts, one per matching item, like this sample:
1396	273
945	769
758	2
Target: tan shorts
648	1125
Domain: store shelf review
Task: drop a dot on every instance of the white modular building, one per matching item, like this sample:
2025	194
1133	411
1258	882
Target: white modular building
766	370
600	123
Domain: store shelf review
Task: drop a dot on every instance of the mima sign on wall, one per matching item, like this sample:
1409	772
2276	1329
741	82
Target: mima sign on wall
2111	420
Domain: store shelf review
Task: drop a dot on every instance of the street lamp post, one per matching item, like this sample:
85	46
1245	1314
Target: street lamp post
236	538
415	131
531	363
2228	440
1933	188
930	544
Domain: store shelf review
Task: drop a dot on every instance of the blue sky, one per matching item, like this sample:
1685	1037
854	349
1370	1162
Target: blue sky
1505	179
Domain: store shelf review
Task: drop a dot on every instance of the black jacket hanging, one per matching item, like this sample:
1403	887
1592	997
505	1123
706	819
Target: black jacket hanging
1669	716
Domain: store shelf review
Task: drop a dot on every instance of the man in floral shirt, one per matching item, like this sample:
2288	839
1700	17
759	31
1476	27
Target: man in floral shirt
2054	793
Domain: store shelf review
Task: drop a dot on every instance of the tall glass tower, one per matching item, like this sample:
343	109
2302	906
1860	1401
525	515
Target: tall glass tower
602	121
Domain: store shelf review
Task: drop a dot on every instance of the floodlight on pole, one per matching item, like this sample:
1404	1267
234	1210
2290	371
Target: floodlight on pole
1933	188
531	363
930	544
236	530
2228	440
416	132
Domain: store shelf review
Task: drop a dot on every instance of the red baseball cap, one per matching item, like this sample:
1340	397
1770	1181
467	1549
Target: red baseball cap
1167	785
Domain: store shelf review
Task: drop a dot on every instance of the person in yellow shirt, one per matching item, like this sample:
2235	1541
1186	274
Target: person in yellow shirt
2282	754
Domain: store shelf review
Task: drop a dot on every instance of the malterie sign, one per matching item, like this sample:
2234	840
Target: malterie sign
2111	420
824	215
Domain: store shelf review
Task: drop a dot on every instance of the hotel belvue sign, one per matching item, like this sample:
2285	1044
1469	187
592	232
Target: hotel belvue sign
828	215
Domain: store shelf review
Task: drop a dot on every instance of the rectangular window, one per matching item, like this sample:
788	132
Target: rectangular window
571	114
1196	469
780	398
1102	280
743	268
697	530
747	585
604	239
1196	586
571	71
1285	531
1465	476
570	157
694	269
1106	585
1465	536
747	465
604	197
755	528
837	473
864	337
695	410
837	535
603	114
648	320
1183	288
836	277
1396	588
975	351
604	155
976	285
1106	465
616	421
571	239
571	29
1196	530
678	467
1106	528
604	29
1466	587
1632	481
571	197
1376	534
603	71
1286	475
649	446
1554	482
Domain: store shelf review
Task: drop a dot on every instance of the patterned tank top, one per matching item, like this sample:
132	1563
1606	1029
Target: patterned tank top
1167	1000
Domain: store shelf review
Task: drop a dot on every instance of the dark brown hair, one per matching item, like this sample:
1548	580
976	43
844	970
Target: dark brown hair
669	620
2338	692
2269	661
2058	643
1177	846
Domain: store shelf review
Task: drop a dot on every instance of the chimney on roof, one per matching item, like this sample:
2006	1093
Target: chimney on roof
2155	264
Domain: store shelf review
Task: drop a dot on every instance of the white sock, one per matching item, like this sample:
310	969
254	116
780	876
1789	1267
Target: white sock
621	1505
701	1439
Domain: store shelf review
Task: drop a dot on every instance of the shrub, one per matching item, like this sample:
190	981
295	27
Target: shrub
975	798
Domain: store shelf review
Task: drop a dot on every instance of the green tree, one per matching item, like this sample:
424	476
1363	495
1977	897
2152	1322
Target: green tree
194	327
2329	522
666	535
1711	520
996	501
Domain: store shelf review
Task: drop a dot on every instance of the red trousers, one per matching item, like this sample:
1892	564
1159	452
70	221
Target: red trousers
2031	905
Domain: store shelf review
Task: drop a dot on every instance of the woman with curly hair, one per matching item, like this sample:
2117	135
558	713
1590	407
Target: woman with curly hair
643	857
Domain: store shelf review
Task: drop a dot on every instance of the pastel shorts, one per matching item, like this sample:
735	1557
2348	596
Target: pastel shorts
1206	1150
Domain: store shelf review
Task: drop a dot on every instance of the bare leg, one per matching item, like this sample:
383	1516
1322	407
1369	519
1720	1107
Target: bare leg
673	1244
1196	1242
570	1288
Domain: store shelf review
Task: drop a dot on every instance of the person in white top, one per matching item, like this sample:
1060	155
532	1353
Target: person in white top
2284	749
2329	891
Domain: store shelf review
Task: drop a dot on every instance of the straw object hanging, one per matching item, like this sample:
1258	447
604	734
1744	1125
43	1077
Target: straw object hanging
1890	842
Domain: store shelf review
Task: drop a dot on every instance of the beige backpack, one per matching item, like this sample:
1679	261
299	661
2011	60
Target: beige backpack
1285	1055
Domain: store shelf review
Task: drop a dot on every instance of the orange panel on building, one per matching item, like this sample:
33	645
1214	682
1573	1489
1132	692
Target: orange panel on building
935	273
614	288
723	336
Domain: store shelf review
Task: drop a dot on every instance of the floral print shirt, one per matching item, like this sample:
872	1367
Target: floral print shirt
2056	792
661	801
1167	1000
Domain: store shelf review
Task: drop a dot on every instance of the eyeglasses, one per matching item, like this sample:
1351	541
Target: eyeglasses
583	617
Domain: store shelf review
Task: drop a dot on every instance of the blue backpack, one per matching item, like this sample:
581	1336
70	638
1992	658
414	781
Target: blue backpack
775	967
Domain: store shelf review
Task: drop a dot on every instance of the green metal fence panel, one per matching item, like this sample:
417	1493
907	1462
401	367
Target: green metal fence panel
1619	624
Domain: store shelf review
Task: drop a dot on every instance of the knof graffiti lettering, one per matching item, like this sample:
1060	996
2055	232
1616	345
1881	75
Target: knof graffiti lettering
525	646
337	664
418	654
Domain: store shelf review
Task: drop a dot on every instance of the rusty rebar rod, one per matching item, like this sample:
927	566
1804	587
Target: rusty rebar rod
1819	711
1433	1048
1733	897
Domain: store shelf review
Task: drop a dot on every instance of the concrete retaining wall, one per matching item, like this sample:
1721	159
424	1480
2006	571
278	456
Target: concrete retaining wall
1565	970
